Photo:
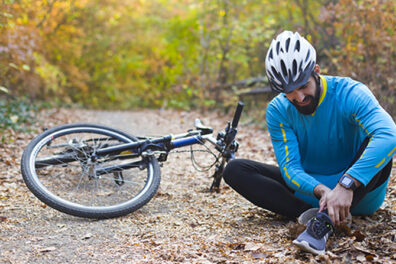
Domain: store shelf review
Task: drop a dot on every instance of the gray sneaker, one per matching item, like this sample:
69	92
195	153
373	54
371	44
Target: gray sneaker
315	236
311	213
307	215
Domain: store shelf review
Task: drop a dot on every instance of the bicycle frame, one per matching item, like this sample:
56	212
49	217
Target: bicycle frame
166	143
225	143
170	142
149	147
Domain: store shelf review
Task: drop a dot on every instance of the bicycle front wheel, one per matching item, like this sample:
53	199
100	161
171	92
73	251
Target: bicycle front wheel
57	167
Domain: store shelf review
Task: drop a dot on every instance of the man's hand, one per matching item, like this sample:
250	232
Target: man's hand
321	190
338	202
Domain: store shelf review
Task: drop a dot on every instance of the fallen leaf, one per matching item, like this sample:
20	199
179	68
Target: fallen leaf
87	236
359	236
48	249
251	246
258	255
361	258
237	246
344	229
279	254
364	250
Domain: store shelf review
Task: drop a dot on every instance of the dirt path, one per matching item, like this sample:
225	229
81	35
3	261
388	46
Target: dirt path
183	223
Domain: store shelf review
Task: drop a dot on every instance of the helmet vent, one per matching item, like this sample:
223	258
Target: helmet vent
270	54
277	75
277	48
297	46
294	67
270	75
283	66
287	44
308	55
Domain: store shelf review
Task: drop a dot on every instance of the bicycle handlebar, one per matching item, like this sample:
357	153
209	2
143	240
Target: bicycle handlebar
237	115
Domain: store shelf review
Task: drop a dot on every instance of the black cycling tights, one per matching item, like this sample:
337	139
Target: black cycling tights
264	186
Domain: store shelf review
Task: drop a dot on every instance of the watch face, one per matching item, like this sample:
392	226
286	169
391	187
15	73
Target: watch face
346	181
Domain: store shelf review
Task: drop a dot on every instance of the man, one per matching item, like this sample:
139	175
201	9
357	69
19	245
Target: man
333	142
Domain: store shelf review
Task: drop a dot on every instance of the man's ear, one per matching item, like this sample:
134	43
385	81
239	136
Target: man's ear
317	69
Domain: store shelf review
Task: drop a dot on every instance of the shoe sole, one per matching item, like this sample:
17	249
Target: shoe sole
305	246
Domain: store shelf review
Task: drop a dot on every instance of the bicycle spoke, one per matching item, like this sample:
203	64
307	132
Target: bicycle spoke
130	182
71	194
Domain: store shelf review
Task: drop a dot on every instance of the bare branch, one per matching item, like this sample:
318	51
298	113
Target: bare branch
50	6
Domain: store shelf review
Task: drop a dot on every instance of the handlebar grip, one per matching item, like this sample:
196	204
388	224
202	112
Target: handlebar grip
237	115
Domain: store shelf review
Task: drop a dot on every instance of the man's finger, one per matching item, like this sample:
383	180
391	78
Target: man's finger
330	211
322	205
346	213
336	216
342	214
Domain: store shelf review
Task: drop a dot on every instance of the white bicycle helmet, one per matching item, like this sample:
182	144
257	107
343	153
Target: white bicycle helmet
290	61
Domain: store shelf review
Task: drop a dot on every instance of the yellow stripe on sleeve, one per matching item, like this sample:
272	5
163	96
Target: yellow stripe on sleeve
284	135
285	140
296	183
379	164
390	153
360	124
287	174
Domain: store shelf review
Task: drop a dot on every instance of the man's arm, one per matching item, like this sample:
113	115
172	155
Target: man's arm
287	153
362	109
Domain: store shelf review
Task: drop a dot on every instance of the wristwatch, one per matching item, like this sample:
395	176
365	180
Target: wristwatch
347	182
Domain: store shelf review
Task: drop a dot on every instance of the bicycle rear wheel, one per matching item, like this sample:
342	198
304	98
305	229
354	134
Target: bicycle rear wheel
57	167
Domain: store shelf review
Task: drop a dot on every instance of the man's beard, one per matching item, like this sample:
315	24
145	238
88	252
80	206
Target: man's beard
309	109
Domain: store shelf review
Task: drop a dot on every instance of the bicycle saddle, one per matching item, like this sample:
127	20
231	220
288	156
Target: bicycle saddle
205	130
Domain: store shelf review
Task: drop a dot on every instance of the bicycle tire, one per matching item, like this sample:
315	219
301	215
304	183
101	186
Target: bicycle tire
75	180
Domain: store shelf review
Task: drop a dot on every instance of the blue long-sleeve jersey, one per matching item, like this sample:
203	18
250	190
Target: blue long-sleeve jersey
318	148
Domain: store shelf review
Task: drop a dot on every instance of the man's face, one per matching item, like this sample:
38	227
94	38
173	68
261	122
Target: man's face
305	98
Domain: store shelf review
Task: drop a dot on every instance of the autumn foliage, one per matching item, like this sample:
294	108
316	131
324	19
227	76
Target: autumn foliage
183	54
366	48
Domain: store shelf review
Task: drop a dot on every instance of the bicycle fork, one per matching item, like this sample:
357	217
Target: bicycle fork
218	175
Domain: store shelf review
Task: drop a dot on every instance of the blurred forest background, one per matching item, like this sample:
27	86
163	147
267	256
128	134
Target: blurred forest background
180	53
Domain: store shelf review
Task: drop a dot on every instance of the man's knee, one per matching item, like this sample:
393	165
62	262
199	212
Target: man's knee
231	171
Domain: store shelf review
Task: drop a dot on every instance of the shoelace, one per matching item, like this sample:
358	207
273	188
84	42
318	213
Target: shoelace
319	227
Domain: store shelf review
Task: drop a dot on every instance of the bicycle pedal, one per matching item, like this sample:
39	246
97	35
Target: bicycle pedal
163	157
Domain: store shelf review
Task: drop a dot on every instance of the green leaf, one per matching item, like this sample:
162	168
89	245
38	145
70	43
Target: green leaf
3	89
26	67
14	118
13	65
8	15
